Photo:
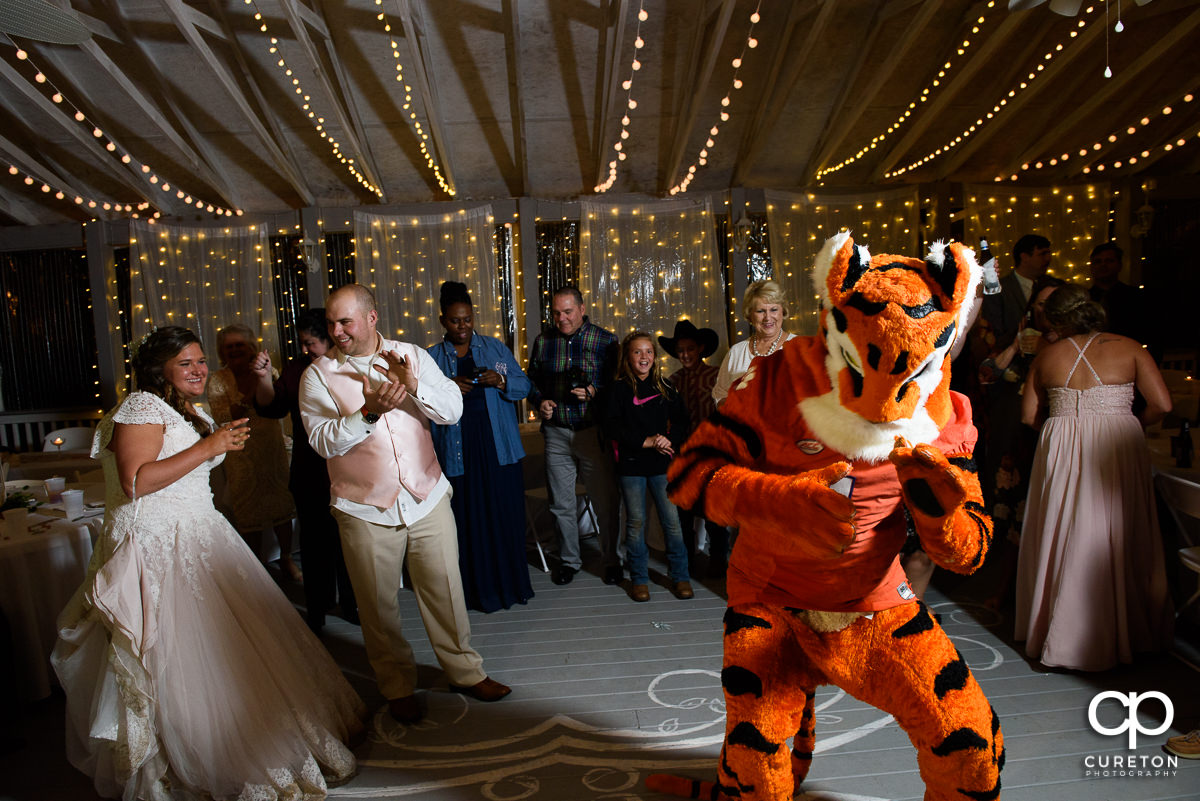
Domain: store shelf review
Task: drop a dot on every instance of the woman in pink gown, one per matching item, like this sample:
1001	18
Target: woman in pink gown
1091	584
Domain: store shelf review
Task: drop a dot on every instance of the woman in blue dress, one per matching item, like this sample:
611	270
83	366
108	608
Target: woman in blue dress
481	456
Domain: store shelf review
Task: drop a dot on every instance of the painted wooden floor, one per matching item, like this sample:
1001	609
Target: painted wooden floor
606	691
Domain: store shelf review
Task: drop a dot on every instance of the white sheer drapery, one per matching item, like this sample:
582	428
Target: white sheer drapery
1073	218
404	258
203	278
646	265
799	223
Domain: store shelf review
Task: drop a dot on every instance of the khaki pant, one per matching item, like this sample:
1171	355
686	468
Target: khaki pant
374	558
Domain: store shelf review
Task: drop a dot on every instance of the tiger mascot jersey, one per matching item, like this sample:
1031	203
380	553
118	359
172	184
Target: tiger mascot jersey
823	456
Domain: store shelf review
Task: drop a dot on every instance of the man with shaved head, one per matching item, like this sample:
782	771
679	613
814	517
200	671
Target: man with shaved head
367	405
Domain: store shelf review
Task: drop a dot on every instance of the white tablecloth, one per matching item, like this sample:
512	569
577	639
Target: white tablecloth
38	575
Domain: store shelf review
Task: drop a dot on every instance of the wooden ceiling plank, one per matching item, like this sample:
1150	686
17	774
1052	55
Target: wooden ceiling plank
930	114
422	68
695	92
846	120
1114	86
516	90
30	165
15	207
779	84
609	50
183	19
352	130
1078	48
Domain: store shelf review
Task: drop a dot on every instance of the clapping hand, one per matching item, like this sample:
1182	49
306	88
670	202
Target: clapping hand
388	396
398	370
659	443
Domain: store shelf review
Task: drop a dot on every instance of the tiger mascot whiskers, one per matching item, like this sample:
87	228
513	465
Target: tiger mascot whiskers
816	591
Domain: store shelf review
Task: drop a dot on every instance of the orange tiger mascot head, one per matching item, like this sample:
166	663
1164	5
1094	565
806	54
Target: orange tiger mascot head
888	323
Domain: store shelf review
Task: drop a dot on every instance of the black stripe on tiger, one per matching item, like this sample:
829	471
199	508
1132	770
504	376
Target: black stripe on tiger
901	366
736	621
740	430
868	307
946	273
856	268
924	310
699	457
964	739
944	337
918	493
738	680
951	677
983	795
874	354
839	319
917	624
967	465
747	734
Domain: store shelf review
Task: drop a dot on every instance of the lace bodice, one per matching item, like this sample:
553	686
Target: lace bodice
1102	399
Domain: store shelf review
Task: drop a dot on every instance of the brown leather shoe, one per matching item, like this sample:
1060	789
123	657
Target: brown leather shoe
640	593
486	690
683	590
405	710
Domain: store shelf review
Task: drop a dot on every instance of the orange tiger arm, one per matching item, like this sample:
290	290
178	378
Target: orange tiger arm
946	505
711	477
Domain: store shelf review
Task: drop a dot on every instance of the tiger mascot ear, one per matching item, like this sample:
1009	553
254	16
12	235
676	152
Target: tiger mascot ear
888	324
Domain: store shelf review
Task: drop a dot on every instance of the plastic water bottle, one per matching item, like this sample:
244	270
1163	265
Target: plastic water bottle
987	262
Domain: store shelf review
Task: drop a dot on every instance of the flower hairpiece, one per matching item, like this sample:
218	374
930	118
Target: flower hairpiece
136	346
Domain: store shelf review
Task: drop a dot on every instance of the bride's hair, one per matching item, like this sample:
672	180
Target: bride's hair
152	354
1070	310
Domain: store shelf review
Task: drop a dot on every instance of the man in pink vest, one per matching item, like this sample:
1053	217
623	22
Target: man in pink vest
367	405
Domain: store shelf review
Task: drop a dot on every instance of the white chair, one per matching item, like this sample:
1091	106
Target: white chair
1182	497
75	438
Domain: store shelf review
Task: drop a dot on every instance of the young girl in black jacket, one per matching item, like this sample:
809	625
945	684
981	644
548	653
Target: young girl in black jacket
646	422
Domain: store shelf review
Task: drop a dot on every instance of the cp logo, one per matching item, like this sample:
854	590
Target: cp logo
1132	723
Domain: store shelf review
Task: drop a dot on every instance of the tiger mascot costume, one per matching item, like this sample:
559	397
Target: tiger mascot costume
816	591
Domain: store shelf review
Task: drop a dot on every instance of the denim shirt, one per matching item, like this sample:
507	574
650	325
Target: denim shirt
494	355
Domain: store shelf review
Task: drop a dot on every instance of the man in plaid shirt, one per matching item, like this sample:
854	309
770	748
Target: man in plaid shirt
569	364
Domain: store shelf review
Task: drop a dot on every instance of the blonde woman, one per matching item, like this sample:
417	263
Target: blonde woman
765	308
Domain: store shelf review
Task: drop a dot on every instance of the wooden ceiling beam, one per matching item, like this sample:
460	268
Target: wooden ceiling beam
299	17
31	165
15	207
1117	85
422	69
965	79
706	47
612	33
183	16
516	90
778	84
846	120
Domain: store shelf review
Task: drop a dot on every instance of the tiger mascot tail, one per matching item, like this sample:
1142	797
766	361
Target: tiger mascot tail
827	455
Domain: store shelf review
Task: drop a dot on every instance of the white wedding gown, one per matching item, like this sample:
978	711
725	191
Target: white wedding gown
188	674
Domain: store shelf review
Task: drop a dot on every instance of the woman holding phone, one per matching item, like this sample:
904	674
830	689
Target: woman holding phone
481	456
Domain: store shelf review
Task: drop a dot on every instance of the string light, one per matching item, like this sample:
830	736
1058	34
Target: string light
1112	139
735	84
422	136
317	122
1130	161
926	93
630	104
121	153
979	123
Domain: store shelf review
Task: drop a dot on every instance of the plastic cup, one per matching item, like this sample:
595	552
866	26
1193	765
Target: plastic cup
73	503
16	521
54	488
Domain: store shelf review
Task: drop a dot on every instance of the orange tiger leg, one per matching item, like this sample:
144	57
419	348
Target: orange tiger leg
805	740
916	674
765	681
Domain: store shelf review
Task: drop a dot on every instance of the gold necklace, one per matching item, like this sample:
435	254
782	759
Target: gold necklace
774	345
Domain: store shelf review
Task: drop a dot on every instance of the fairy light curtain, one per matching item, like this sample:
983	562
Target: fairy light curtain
202	278
799	224
404	259
1074	218
644	266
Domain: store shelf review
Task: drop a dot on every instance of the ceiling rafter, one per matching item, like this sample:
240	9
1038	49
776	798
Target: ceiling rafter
15	207
846	120
350	124
184	18
1059	65
516	90
612	33
414	32
778	85
1160	152
964	78
138	184
30	165
700	73
1112	87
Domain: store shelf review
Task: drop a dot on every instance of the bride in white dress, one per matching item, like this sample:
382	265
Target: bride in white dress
187	672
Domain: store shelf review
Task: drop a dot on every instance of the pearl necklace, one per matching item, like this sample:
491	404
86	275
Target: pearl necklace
774	345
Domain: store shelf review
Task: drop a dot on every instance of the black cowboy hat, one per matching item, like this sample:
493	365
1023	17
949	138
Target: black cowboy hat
706	338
